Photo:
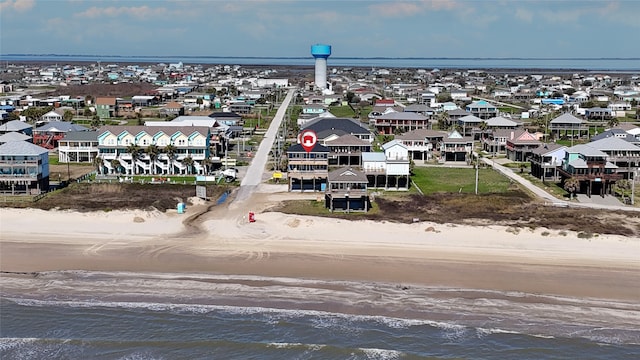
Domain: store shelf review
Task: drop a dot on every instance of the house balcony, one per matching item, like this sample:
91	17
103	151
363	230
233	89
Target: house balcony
403	160
19	162
78	148
567	127
456	149
308	162
343	193
19	177
591	177
307	174
421	148
143	165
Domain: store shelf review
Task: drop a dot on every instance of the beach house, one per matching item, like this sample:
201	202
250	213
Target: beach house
347	190
307	170
591	167
153	149
24	168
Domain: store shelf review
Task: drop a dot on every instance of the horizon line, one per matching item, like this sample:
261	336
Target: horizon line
311	57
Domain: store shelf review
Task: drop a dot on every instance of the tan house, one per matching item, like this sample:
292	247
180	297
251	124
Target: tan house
347	190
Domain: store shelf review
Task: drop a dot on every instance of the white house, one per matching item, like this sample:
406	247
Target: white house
187	142
24	168
374	162
397	156
51	116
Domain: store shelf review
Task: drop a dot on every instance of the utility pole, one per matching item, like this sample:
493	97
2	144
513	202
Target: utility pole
633	186
477	169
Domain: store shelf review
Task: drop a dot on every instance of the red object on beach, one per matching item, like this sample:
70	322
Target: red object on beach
252	217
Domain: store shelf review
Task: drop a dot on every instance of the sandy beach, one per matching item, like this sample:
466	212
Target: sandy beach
222	241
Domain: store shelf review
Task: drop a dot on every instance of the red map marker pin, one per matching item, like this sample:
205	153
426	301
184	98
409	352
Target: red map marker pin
308	140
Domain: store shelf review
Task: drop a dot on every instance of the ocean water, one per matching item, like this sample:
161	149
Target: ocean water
594	64
103	315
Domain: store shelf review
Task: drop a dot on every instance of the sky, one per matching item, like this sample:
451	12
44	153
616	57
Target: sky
354	28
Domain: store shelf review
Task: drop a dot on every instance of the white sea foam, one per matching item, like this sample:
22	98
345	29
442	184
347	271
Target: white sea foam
381	354
140	356
284	345
10	343
482	332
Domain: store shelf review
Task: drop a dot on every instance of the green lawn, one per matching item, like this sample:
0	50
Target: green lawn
441	179
342	111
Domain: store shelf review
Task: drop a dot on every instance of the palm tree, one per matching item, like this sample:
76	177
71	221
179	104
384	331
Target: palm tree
96	122
613	122
115	164
571	185
622	187
97	163
170	150
153	151
443	120
68	115
135	152
207	165
188	162
483	129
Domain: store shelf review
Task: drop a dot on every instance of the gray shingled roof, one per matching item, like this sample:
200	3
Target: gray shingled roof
13	136
402	116
61	126
418	108
613	143
578	163
348	126
81	136
586	150
347	174
547	148
421	134
566	118
457	112
14	125
470	119
500	121
347	140
21	148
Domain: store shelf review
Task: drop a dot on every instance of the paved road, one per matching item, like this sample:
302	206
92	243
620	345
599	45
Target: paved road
253	177
550	199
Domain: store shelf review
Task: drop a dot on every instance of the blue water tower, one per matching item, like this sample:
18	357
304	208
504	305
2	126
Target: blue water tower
321	52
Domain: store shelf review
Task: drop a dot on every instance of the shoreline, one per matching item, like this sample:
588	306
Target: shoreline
303	247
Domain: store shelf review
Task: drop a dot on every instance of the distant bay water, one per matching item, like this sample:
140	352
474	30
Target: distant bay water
585	64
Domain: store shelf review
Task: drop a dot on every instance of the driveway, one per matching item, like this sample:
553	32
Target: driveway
607	200
600	203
